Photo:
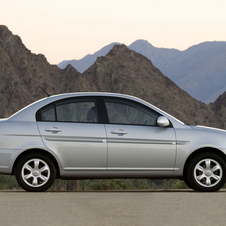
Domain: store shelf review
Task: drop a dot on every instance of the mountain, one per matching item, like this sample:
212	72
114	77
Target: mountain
160	57
22	72
200	70
88	60
121	70
125	71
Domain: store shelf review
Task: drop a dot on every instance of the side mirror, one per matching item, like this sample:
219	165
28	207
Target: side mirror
163	121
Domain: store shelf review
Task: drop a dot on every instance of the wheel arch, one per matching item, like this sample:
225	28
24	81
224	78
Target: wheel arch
199	151
40	151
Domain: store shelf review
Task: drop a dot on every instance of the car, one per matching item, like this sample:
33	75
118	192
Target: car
107	135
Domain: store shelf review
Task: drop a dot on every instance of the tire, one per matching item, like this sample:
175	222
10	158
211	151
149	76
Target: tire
206	172
35	172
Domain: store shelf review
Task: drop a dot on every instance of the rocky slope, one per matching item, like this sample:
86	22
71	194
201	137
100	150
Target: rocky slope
219	108
122	70
22	72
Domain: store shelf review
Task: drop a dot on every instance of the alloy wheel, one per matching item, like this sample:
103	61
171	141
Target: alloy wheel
208	172
35	172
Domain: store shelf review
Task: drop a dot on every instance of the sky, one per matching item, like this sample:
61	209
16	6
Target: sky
70	29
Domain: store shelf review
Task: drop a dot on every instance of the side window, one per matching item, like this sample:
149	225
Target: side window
69	110
76	111
122	111
48	113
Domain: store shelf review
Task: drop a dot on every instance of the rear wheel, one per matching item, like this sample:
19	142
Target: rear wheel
206	172
35	172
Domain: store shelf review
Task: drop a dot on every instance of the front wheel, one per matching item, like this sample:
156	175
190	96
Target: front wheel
206	172
35	172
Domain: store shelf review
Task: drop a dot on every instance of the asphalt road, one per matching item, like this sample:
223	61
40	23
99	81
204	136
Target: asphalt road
155	208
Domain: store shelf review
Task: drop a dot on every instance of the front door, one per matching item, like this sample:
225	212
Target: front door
135	142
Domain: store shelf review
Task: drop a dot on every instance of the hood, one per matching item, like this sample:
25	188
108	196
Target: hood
209	129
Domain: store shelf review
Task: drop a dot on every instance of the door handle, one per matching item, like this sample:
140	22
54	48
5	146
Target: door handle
120	131
53	129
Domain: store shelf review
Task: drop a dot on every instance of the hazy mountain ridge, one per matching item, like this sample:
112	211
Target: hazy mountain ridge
159	56
200	70
84	63
121	70
202	74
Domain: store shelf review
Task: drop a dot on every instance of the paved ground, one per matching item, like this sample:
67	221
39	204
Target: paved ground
155	208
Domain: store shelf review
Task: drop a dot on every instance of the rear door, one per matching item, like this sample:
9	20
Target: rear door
70	128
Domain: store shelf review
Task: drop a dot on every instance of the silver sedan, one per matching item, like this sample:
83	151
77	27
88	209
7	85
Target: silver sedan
105	135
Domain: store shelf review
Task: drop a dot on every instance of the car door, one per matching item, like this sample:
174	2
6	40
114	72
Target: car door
70	128
135	142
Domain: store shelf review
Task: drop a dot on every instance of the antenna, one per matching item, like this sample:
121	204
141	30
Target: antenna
44	91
